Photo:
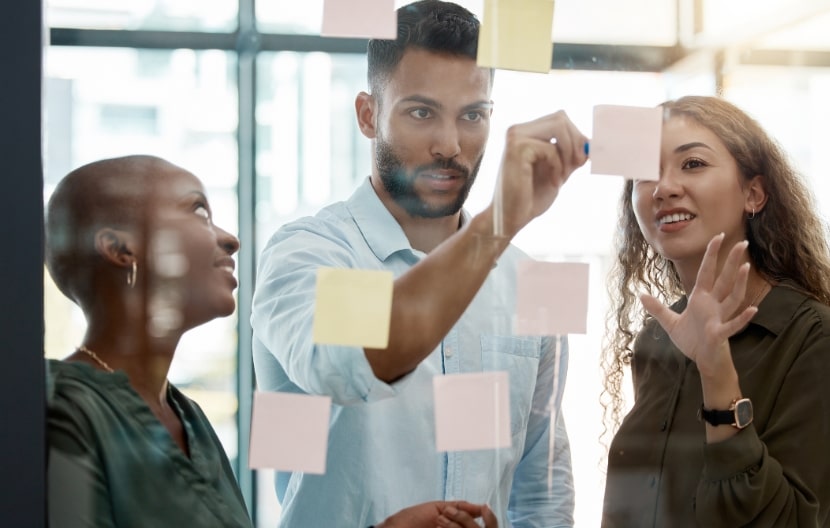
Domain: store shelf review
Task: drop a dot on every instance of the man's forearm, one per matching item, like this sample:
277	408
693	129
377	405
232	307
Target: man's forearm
430	298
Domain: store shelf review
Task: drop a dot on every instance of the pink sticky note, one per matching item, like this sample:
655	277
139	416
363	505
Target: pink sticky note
290	432
472	411
626	141
552	298
360	19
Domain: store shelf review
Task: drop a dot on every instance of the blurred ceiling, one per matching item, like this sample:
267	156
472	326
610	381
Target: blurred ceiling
630	35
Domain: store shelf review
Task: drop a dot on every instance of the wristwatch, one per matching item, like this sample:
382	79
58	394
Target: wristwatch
739	414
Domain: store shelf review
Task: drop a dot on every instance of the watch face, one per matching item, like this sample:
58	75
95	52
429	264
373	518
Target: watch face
743	413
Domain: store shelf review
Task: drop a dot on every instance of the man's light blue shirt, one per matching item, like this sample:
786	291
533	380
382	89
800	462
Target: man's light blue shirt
382	454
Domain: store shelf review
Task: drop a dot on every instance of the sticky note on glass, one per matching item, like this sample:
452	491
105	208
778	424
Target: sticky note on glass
353	307
472	411
289	432
360	19
551	298
516	35
626	141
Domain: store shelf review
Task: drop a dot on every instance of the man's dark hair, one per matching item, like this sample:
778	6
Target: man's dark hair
433	25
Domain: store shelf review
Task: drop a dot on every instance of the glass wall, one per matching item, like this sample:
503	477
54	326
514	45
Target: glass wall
309	151
268	124
107	102
173	15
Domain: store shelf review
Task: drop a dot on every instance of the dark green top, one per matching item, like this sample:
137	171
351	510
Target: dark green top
774	473
113	464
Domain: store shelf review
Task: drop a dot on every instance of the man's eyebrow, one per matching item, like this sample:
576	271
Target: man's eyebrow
479	105
423	100
483	104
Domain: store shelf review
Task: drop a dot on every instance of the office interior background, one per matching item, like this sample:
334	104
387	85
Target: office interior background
249	97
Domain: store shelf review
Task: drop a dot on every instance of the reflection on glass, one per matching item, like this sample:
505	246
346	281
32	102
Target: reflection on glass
799	24
648	22
791	103
180	105
305	112
181	15
810	34
309	150
268	507
655	22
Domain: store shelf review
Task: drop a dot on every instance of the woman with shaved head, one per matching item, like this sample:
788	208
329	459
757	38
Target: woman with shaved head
131	241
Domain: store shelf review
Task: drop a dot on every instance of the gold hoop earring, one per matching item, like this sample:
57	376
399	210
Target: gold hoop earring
132	276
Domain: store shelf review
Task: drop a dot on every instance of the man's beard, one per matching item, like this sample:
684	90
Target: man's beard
401	185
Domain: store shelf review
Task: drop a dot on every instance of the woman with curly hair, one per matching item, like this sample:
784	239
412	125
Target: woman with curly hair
721	288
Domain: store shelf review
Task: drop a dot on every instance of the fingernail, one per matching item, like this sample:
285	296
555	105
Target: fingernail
586	148
451	510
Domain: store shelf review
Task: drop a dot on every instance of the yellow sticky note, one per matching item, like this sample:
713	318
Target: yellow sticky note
516	35
353	307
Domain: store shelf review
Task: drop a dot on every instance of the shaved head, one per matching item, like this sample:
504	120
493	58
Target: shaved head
107	193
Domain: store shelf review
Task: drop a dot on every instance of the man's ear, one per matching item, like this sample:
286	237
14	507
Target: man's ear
366	109
115	246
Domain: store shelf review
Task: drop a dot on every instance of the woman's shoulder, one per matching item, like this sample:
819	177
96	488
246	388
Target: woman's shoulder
66	378
790	300
81	397
820	313
71	378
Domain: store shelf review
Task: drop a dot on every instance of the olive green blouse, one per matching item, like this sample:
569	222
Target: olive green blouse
774	473
113	464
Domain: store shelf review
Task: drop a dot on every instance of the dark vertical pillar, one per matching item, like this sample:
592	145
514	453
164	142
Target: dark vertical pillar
22	475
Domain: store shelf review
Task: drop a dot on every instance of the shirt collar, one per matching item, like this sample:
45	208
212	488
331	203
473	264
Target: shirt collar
381	231
776	309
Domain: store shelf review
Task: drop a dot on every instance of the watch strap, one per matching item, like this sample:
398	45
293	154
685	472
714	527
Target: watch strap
739	414
716	417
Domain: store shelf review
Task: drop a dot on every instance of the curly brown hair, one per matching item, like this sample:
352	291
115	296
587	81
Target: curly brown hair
787	240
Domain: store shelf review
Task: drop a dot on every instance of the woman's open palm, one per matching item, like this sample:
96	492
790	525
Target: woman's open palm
702	330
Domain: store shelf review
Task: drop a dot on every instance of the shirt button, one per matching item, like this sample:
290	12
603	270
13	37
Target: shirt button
664	425
448	352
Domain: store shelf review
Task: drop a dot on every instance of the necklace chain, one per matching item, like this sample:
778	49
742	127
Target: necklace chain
95	358
758	295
